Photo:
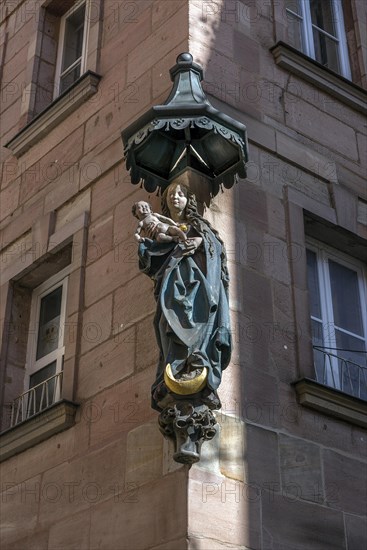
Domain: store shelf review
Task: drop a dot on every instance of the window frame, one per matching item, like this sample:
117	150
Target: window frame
308	44
39	117
61	41
60	244
33	365
323	254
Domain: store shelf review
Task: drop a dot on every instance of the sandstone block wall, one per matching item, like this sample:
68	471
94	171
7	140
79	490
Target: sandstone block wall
279	475
283	471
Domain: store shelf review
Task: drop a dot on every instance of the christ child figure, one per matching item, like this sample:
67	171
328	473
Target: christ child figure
155	226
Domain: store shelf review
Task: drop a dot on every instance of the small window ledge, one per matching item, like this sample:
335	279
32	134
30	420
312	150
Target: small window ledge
336	85
330	401
53	420
58	110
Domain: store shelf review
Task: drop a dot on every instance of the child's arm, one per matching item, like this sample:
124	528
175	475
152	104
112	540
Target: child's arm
164	219
138	231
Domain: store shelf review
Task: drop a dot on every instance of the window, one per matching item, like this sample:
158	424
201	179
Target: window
316	27
71	57
42	325
63	60
45	349
337	292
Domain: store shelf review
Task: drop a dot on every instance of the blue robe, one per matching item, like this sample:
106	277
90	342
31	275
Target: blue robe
192	318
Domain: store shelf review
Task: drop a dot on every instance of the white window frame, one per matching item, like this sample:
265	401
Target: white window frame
307	34
33	365
60	49
323	254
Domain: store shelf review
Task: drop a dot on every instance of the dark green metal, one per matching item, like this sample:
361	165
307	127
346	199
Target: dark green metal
185	132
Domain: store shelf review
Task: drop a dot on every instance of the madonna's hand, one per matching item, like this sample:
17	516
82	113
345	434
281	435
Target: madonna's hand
191	245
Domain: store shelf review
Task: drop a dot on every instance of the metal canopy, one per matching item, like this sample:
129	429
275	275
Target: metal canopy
185	132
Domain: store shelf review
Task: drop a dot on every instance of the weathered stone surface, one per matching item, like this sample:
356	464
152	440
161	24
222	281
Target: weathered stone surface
319	428
343	482
95	164
158	44
231	446
356	531
119	20
72	532
9	199
177	544
19	506
60	191
62	158
105	275
100	240
346	208
300	466
72	209
252	203
120	408
120	518
37	540
234	509
261	467
311	122
305	157
362	212
106	192
77	484
96	324
144	454
160	86
261	403
291	524
128	312
20	224
147	350
196	543
106	364
169	465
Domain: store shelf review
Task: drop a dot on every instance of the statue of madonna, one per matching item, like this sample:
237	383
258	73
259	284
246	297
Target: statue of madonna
191	290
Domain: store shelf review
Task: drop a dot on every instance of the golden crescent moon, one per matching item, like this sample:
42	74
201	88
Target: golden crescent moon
185	387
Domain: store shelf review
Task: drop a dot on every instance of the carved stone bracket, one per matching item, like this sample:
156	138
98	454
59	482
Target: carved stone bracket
188	424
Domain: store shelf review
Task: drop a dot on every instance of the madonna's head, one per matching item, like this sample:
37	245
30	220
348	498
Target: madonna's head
178	198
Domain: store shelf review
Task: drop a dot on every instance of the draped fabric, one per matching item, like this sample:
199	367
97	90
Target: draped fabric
192	317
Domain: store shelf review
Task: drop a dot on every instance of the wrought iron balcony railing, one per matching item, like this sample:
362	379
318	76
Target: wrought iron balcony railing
340	373
36	399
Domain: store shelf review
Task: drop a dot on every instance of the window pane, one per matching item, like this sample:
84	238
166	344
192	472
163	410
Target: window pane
295	31
322	15
318	354
313	284
293	5
43	396
69	78
351	348
326	51
345	297
352	362
49	323
73	40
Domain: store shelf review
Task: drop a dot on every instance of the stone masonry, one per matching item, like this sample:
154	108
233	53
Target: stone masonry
279	476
